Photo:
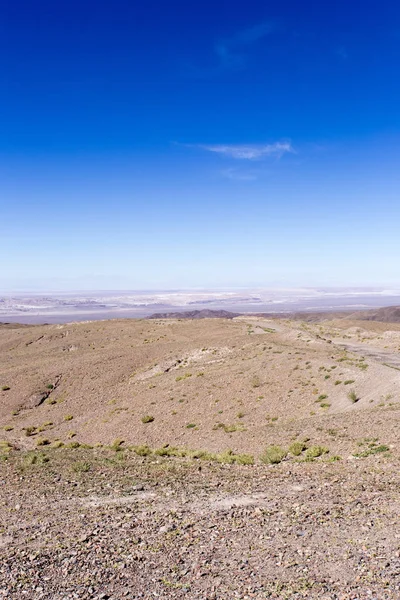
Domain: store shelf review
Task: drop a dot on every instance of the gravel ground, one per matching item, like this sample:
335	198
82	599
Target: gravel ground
101	524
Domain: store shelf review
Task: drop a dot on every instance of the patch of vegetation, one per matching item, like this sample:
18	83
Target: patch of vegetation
35	458
373	450
72	445
181	377
30	430
190	425
273	455
117	445
349	381
353	396
68	418
81	467
8	428
297	448
142	450
43	442
229	428
147	419
338	382
5	388
324	405
322	397
316	451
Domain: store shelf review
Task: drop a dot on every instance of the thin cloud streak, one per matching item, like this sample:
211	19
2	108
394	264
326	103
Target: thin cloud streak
228	50
249	152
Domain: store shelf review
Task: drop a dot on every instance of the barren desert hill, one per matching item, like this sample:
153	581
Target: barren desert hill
212	384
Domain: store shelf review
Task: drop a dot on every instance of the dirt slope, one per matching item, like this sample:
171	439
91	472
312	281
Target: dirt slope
211	384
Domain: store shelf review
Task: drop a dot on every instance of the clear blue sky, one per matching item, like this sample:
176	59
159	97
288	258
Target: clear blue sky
178	144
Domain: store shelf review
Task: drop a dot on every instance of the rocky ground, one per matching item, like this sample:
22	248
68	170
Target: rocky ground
102	523
209	459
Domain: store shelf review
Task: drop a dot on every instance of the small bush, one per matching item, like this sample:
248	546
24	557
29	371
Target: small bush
68	418
349	381
181	377
5	388
31	430
352	396
190	425
42	442
8	428
322	397
117	445
273	455
316	451
72	445
297	448
142	450
81	467
147	419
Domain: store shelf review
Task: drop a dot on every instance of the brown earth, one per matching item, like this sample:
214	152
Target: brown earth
82	520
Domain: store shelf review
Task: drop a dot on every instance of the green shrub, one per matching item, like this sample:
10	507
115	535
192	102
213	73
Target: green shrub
81	467
273	455
147	419
352	396
297	448
42	442
142	450
316	451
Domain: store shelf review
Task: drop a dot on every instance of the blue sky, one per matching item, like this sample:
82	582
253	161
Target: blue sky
199	144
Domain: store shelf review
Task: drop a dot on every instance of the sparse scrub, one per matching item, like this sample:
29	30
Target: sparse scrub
142	450
117	445
68	418
181	377
43	442
273	455
352	396
349	381
147	419
81	467
316	451
297	448
30	430
5	388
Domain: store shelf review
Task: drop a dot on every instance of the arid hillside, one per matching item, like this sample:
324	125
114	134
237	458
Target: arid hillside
211	384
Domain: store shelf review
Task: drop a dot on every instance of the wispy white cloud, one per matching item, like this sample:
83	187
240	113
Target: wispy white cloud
231	51
249	152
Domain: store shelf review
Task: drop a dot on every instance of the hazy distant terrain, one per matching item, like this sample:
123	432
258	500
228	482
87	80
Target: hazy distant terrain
63	307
